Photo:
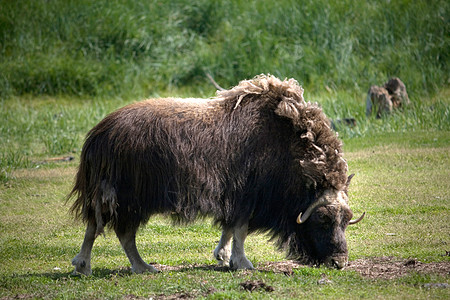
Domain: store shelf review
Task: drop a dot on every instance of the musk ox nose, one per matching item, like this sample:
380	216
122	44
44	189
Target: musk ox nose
338	262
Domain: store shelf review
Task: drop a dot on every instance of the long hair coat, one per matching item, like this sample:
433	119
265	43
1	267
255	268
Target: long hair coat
257	152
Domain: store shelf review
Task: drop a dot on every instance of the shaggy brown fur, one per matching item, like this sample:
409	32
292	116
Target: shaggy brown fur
256	152
397	89
378	101
382	100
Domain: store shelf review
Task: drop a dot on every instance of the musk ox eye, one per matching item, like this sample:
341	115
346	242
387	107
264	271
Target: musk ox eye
347	217
324	219
346	220
325	226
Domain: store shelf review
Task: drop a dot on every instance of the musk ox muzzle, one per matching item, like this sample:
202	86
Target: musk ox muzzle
256	157
328	217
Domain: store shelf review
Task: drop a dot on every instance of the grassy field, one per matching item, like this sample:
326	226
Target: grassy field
402	169
37	128
401	164
64	65
401	182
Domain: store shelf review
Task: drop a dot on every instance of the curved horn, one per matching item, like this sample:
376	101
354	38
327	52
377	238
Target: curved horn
352	222
349	178
303	217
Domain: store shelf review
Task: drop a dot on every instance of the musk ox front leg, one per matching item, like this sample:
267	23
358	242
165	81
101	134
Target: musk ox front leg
127	239
82	261
238	259
223	250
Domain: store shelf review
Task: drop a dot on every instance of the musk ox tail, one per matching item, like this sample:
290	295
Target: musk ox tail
96	198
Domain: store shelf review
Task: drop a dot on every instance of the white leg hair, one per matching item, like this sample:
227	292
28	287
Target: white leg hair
223	250
82	261
237	260
128	242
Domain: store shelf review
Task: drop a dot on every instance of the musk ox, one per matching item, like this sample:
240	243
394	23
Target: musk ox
397	89
256	157
378	101
382	100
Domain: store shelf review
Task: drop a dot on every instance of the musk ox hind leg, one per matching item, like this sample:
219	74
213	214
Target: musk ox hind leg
127	239
223	250
238	260
82	261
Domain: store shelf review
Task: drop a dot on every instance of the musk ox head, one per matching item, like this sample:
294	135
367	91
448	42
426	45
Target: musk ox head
322	229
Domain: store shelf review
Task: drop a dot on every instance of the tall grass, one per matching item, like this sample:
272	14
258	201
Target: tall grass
423	114
136	48
32	130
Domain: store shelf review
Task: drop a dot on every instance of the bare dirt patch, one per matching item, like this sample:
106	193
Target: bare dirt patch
374	268
252	285
391	267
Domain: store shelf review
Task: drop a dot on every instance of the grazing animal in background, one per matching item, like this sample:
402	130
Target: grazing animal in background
378	101
256	157
382	100
397	89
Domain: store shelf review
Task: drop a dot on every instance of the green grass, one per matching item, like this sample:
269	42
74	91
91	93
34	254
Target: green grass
403	188
400	182
401	165
64	65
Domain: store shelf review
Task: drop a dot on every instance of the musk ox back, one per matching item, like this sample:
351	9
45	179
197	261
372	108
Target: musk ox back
256	157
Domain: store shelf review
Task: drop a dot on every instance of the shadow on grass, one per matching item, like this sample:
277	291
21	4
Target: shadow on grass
374	268
102	273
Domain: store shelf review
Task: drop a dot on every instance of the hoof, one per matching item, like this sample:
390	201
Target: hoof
144	269
81	267
241	264
222	256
